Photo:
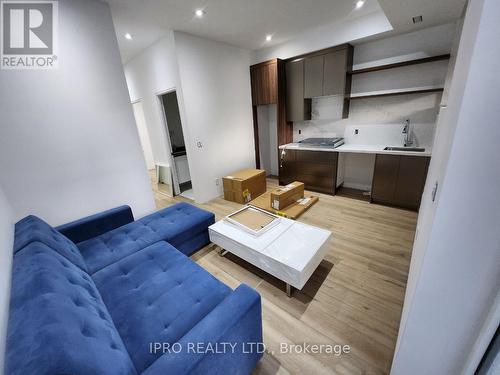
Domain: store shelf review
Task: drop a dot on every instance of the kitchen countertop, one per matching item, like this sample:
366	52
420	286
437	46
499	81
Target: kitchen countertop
362	149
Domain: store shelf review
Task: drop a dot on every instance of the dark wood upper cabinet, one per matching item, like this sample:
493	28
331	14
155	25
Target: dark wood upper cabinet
297	108
264	81
326	72
399	180
268	86
335	72
313	76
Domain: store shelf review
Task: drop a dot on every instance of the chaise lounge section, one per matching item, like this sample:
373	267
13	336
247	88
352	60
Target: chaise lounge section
109	295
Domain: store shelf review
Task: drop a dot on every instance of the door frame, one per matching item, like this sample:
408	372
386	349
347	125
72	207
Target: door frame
175	179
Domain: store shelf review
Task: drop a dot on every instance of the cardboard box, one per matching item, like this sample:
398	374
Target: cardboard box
283	197
291	212
245	185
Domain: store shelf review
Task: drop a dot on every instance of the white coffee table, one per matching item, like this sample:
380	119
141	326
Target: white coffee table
290	250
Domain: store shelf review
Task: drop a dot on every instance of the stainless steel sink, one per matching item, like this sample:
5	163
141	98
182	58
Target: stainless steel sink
410	149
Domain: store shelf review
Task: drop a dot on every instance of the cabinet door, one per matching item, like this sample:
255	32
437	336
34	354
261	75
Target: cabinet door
270	78
287	167
411	181
335	73
313	76
385	177
297	108
317	170
256	83
264	81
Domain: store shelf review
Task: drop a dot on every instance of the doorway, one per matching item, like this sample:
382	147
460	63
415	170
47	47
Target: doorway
158	172
173	126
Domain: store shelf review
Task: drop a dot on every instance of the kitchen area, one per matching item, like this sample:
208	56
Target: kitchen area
356	120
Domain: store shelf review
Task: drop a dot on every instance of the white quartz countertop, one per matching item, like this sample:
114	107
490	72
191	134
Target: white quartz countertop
358	148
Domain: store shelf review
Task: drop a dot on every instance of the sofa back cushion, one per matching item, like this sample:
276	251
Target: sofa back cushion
58	323
32	228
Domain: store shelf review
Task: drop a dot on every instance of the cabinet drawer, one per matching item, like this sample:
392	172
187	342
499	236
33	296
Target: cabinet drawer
321	184
318	157
316	169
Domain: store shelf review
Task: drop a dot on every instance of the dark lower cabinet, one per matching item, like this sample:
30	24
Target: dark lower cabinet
287	170
398	180
316	169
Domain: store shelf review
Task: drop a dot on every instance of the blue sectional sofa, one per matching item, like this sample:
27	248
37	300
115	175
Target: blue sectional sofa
110	295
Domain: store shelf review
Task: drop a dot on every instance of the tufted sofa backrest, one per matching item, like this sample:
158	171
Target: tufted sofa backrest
32	228
58	323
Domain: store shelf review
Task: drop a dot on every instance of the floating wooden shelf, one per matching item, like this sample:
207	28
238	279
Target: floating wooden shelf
406	91
400	64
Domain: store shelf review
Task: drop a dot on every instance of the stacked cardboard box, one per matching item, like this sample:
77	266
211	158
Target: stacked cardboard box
245	185
285	196
289	199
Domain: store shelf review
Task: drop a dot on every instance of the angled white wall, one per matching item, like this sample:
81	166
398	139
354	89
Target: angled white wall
455	271
6	245
215	81
212	80
68	142
153	72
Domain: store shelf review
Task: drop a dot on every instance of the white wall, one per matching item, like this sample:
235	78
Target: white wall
268	138
142	129
327	36
456	260
152	72
6	245
68	143
218	111
214	103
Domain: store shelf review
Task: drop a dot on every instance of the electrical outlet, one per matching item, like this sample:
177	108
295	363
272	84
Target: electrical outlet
300	131
356	131
217	183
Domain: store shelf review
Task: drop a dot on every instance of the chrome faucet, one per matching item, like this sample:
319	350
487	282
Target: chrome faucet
407	131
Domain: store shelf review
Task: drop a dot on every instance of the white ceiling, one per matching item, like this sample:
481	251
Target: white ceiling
245	23
434	12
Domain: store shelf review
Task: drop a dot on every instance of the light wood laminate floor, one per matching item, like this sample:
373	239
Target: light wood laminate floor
354	297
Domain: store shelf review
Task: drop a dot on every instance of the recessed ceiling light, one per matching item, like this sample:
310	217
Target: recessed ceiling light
128	36
268	38
199	13
360	3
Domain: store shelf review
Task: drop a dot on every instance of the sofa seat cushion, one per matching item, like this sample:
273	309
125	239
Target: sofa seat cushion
175	224
157	295
58	322
32	228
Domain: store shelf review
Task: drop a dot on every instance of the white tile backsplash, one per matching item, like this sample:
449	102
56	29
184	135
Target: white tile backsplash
379	120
